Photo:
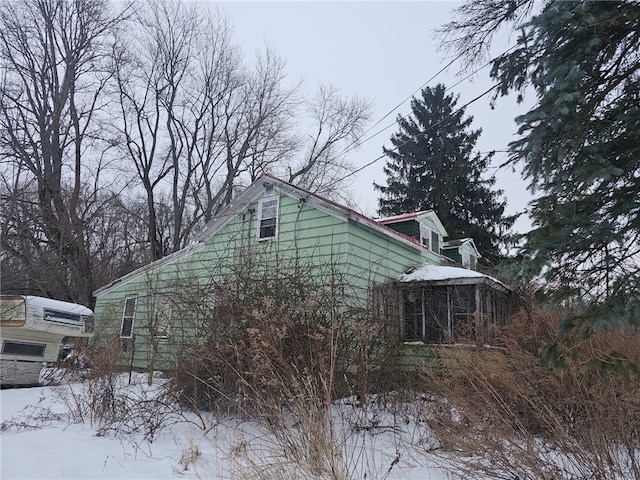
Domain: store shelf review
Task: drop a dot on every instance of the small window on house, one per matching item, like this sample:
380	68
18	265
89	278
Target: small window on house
425	236
430	239
469	260
128	315
412	313
435	242
162	317
268	218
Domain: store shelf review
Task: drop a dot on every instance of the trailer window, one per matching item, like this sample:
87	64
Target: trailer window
128	315
20	348
62	317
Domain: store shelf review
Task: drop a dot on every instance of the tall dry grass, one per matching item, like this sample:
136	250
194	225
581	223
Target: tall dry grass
280	347
506	414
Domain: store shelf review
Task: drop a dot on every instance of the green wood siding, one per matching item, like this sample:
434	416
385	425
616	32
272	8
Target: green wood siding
408	227
466	248
305	233
431	224
375	257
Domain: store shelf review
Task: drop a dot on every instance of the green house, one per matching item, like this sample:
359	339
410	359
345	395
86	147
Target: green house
274	225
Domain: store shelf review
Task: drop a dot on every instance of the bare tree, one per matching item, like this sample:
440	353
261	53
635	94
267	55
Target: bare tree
194	119
149	69
54	59
257	128
111	238
338	123
475	23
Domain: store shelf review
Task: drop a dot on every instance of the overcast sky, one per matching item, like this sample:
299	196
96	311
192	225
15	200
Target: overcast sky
386	52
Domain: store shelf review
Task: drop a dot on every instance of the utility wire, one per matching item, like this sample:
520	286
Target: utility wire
433	77
359	141
409	140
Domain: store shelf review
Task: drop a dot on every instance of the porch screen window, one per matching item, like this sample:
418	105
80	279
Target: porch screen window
413	316
438	314
128	315
268	218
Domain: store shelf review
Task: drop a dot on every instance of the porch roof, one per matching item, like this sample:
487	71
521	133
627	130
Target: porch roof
447	275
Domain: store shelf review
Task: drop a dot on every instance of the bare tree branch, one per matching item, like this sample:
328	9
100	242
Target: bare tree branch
54	58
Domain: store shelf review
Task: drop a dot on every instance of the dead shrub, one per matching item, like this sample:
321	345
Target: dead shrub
115	401
509	415
270	330
279	347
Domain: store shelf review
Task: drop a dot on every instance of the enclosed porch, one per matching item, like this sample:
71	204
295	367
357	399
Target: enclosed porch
445	305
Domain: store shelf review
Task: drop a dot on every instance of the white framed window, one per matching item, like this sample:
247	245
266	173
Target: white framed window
430	238
435	242
469	260
128	317
267	218
425	236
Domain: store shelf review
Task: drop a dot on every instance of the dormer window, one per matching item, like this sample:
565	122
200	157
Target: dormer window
267	218
425	236
469	260
429	238
435	242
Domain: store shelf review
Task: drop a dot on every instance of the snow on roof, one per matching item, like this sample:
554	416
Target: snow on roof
433	273
415	216
401	217
41	302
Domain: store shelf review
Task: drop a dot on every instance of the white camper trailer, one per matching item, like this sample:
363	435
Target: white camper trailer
32	330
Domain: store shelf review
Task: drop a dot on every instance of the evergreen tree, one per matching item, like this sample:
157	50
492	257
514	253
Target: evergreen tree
433	166
581	150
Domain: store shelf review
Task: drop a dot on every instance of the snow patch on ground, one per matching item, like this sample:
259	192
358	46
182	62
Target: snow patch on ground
45	437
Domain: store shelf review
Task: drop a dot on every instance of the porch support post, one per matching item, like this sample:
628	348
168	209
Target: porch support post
449	314
479	316
424	315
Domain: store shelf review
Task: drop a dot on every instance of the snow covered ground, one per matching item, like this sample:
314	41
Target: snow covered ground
47	433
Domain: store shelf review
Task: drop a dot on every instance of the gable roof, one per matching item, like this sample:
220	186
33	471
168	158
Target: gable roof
256	189
148	268
459	242
430	214
250	195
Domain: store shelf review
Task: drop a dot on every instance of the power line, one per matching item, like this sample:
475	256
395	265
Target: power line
359	141
433	77
406	142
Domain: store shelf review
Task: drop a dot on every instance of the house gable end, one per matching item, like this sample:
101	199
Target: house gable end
424	226
258	190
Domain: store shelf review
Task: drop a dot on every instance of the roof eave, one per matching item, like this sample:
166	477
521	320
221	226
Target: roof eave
496	284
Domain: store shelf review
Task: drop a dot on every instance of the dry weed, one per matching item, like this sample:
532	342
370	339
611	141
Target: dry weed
508	415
